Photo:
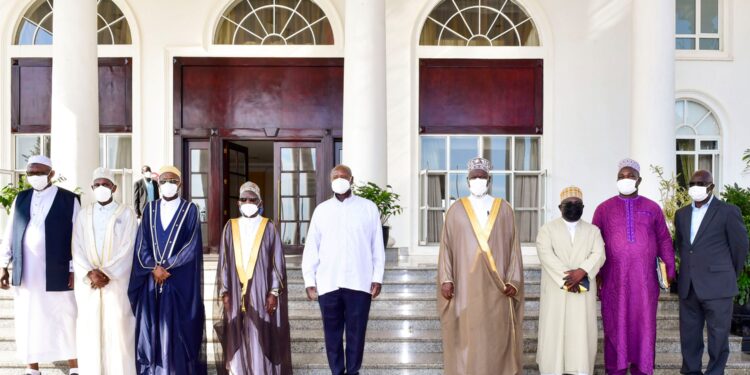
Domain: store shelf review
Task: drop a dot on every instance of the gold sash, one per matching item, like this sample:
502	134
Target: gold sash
107	245
483	236
246	272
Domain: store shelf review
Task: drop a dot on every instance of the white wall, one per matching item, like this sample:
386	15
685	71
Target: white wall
587	85
723	86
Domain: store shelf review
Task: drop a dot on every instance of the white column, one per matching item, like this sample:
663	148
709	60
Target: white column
652	139
75	89
364	133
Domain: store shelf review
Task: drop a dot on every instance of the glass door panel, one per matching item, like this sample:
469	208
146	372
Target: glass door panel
299	177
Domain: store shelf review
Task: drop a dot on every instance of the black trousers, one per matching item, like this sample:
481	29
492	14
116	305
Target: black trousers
717	315
345	310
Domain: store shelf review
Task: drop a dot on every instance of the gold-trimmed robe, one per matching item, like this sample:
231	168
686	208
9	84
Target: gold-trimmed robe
482	329
568	331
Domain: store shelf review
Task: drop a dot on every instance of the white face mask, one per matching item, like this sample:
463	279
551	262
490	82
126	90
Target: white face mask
340	186
147	175
478	186
102	194
249	209
698	193
168	190
626	186
39	183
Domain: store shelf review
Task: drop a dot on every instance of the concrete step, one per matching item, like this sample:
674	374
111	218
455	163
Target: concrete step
419	320
416	363
431	363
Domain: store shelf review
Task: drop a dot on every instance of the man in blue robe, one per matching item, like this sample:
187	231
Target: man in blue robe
165	285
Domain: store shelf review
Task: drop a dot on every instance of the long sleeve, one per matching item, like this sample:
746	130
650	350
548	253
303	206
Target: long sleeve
222	269
596	257
81	262
551	264
6	253
278	281
119	266
76	209
311	253
665	248
677	233
445	256
738	241
378	250
137	199
515	268
193	245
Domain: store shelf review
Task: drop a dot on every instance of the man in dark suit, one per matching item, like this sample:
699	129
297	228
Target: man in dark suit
712	241
144	190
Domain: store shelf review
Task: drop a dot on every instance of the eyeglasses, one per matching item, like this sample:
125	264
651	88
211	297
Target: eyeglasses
698	183
249	200
37	173
169	181
106	185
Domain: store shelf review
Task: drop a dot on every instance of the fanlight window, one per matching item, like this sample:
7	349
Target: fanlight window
36	25
479	23
274	22
693	118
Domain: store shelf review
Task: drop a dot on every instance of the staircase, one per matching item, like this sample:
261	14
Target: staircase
404	331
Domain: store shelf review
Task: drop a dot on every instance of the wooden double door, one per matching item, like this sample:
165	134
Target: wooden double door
292	176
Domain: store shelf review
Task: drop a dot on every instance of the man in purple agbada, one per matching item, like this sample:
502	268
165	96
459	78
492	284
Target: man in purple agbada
635	233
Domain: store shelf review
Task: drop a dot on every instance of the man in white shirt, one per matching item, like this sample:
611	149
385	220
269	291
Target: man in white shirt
103	239
37	241
343	264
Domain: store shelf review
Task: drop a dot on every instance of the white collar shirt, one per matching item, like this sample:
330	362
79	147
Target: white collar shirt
168	210
344	246
101	218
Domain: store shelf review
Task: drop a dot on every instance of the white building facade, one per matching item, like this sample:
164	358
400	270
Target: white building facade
563	91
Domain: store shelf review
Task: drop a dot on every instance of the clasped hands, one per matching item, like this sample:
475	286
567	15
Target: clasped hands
447	290
98	279
160	275
573	279
272	302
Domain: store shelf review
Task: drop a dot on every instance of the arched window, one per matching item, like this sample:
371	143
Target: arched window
698	140
36	25
274	22
479	23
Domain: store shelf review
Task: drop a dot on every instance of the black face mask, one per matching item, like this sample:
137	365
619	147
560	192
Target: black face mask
572	212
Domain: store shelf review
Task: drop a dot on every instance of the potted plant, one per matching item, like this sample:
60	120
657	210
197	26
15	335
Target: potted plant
740	197
386	201
9	192
673	197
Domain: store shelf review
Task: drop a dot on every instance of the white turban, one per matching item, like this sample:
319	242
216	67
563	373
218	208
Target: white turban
103	173
39	159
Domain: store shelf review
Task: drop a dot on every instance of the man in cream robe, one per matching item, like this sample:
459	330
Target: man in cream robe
571	252
480	283
103	238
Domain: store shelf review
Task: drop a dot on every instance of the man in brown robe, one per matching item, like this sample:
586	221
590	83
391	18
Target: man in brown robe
480	283
252	320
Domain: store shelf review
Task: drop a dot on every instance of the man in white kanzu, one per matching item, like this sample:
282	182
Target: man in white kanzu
343	264
37	240
103	238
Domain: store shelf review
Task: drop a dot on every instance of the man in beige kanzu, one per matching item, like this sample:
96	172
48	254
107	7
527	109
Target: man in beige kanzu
571	251
480	283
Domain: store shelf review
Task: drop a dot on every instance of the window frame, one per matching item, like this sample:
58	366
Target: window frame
716	167
724	35
424	207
